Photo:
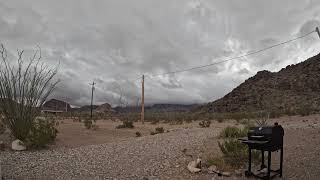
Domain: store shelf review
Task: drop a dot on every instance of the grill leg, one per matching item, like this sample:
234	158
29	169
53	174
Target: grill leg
269	164
281	161
248	173
262	160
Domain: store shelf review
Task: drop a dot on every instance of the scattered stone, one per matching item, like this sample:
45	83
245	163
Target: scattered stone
18	145
212	169
195	166
227	174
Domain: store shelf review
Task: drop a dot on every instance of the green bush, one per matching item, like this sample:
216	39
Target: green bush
125	124
205	123
233	132
43	132
304	110
235	153
158	130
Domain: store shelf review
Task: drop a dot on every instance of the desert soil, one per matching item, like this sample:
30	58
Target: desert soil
110	153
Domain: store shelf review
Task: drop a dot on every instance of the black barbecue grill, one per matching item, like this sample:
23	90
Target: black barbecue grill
270	139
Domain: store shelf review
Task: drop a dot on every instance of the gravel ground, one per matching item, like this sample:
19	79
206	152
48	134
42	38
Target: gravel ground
153	157
156	157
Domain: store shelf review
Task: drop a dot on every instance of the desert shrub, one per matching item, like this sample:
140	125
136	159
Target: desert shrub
247	123
263	120
205	123
158	130
138	134
87	123
233	132
156	121
125	124
94	127
235	153
275	114
23	88
2	126
219	162
129	117
43	132
304	110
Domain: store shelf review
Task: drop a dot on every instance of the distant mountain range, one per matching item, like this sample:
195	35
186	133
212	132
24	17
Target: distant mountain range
58	105
290	89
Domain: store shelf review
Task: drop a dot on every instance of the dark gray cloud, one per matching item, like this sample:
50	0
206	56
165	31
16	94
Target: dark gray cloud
114	42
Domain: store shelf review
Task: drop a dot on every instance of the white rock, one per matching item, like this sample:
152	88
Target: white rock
18	145
212	168
193	166
226	174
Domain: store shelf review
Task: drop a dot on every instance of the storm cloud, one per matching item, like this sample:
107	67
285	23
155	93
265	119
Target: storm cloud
114	42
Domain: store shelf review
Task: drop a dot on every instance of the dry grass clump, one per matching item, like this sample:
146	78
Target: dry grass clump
125	124
234	152
234	132
158	130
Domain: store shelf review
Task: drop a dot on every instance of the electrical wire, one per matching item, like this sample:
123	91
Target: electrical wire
233	58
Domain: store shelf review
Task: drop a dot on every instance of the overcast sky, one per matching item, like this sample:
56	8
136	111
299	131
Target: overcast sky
113	42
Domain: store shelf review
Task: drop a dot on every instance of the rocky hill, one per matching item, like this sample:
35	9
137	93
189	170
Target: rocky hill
56	105
104	108
292	88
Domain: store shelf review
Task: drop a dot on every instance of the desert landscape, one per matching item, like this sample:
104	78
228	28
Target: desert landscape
110	153
159	90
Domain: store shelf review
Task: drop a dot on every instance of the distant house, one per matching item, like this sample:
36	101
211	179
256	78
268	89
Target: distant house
55	106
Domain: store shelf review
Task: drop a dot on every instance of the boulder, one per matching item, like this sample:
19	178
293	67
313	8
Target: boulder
18	145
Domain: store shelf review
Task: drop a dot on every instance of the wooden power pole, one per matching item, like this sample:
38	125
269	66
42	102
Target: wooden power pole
91	107
317	30
142	100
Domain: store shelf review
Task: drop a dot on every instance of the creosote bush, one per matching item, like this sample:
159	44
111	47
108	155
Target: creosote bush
125	124
87	123
138	134
234	132
43	132
205	123
24	87
158	130
235	153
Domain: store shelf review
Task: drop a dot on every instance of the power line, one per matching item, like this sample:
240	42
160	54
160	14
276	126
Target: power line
237	57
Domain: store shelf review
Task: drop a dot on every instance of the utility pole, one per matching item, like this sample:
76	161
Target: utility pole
92	89
317	30
142	100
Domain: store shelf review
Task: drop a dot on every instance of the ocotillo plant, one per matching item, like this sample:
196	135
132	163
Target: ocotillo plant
24	87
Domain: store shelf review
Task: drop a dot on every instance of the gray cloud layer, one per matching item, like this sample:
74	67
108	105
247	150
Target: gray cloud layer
115	41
